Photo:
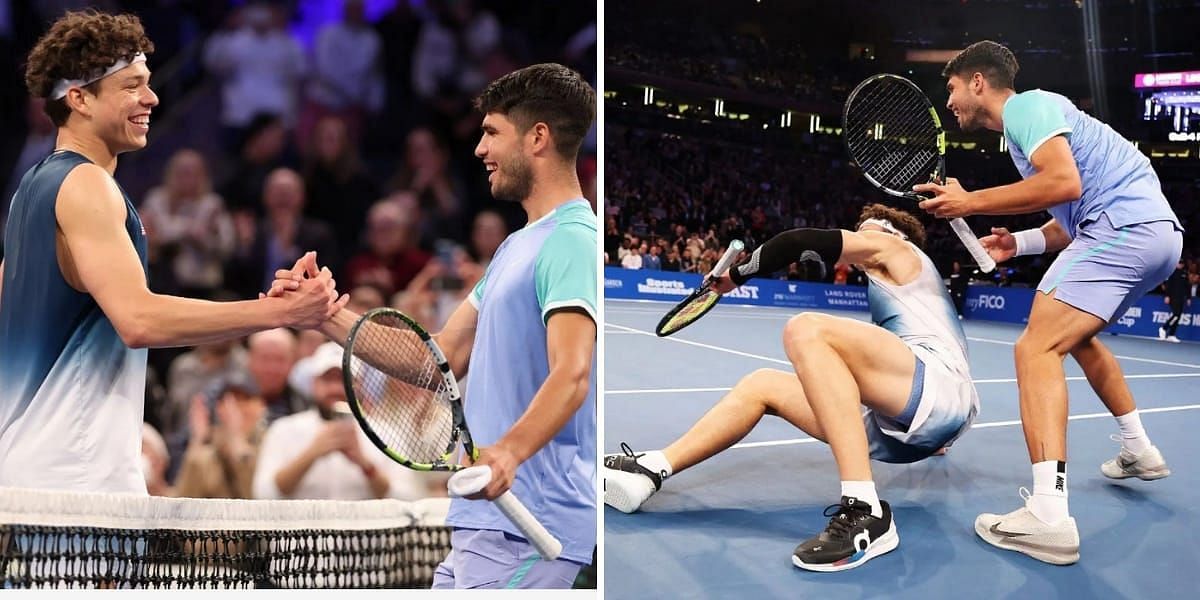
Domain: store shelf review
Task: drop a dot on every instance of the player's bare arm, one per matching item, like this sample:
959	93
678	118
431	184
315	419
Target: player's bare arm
878	251
97	257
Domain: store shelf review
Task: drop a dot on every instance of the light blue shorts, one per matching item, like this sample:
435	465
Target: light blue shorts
1105	269
487	559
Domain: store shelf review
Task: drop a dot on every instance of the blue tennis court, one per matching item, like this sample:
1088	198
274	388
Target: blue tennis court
728	526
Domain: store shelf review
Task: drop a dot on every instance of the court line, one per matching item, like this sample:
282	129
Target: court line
977	381
809	440
691	343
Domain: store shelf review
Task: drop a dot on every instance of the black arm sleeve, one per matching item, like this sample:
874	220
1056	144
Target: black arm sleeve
797	245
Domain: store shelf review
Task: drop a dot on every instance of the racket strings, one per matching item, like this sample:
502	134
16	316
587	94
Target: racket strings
891	134
690	312
407	406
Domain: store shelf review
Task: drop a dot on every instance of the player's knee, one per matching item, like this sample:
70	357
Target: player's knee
804	330
1032	344
754	388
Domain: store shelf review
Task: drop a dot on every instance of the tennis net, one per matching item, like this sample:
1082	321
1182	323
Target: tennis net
68	539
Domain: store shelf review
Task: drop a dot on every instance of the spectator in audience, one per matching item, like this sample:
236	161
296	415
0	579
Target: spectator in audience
338	188
223	446
187	226
155	459
347	79
451	47
190	374
487	233
263	149
39	141
321	453
671	262
260	67
392	259
632	260
364	298
958	281
650	259
271	356
282	236
425	171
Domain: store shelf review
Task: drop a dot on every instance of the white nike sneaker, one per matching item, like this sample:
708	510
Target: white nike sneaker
1162	333
1173	339
1147	466
627	484
1020	531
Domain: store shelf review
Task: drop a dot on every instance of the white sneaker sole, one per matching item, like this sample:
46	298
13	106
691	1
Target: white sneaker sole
1054	557
1144	476
883	545
616	490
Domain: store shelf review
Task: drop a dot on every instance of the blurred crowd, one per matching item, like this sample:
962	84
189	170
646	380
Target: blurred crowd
352	136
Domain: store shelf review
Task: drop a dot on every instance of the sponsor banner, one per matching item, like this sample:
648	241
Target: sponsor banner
989	303
1158	80
664	285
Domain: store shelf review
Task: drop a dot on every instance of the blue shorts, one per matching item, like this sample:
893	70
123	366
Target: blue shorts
942	404
488	559
1105	269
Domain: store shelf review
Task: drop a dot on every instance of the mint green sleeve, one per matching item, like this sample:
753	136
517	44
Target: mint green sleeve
1031	119
476	295
566	271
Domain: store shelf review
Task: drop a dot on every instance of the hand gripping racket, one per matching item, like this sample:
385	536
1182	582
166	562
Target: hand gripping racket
406	399
893	132
702	299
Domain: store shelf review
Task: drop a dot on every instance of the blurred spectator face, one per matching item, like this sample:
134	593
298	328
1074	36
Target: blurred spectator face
186	175
364	298
502	150
251	408
387	229
957	266
1194	277
328	388
655	250
422	151
154	459
487	233
272	354
283	193
266	144
330	139
215	354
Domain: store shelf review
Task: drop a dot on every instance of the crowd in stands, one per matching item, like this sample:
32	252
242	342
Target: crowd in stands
357	143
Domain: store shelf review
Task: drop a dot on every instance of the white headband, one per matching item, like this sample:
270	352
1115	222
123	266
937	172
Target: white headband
61	87
886	225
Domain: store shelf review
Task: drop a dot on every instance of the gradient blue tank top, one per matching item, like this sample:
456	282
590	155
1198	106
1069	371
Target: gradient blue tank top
71	391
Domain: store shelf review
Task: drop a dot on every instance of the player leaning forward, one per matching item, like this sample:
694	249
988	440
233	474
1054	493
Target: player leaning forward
1119	239
909	370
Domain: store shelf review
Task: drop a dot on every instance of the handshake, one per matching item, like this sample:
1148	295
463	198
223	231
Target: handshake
309	293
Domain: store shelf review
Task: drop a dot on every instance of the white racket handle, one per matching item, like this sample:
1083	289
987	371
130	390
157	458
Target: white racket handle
978	252
722	265
472	479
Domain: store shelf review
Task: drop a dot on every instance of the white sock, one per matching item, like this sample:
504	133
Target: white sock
1049	500
864	491
656	461
1133	436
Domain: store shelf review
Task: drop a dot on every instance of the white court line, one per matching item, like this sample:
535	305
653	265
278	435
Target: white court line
1133	358
691	343
808	440
977	381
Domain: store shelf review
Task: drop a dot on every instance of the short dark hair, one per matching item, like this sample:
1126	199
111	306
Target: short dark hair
994	61
80	45
901	220
545	93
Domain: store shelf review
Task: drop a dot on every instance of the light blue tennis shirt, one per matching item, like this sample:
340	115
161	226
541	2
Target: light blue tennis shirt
1117	179
549	264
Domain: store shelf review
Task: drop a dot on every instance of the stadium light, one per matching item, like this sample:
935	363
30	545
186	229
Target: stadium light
648	95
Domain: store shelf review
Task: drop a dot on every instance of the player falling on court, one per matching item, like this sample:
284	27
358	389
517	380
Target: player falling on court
1119	239
528	333
76	313
909	370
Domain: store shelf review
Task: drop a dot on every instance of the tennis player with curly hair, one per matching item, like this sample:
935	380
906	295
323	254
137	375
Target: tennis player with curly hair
76	313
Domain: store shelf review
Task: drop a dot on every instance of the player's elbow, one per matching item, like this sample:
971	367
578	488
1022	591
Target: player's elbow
134	332
577	376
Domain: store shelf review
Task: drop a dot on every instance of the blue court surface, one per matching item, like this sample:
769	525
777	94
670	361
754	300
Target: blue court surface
726	528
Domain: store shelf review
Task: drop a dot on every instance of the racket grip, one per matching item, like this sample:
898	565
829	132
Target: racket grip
472	479
726	259
978	252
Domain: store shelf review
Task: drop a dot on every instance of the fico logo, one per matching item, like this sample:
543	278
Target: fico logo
992	301
746	291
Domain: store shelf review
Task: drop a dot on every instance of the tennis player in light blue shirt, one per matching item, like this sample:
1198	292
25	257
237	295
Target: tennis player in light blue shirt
1119	238
526	338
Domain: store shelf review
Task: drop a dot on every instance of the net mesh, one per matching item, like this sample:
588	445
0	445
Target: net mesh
74	540
690	312
891	134
403	397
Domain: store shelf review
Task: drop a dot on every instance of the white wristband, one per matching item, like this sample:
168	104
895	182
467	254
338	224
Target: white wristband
1030	241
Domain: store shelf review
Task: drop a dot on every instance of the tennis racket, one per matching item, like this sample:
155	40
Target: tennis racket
702	299
406	399
893	132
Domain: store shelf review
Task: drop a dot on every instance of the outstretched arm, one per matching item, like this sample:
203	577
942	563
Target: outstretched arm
870	249
100	260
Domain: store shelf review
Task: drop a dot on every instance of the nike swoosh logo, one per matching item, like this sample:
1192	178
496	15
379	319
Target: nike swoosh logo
1008	534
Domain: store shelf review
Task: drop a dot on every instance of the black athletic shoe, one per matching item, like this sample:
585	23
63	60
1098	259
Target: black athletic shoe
627	484
852	538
